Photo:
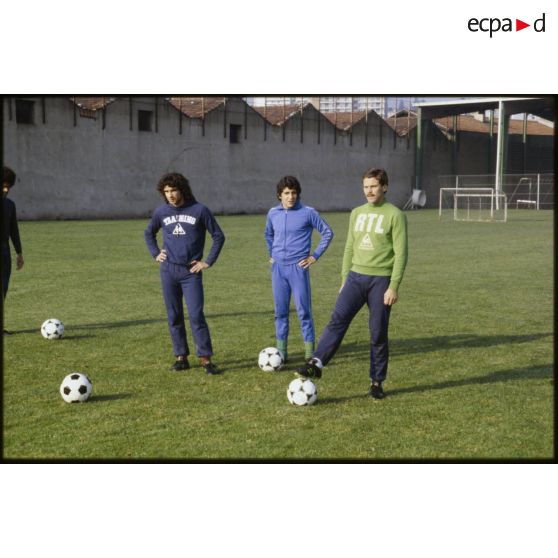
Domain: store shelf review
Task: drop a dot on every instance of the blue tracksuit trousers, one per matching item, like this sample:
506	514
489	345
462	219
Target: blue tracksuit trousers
287	280
177	281
357	291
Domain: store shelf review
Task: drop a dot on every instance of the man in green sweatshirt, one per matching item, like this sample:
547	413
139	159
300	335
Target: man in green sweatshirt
373	264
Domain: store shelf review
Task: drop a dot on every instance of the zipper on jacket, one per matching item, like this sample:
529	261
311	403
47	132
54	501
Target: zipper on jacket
285	254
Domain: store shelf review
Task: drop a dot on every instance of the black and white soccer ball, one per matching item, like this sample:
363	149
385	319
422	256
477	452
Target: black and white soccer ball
76	388
52	329
302	392
271	359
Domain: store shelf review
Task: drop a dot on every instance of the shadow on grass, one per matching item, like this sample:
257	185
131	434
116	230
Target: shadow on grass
328	400
398	347
245	364
419	345
75	337
74	327
267	312
512	375
64	338
109	397
125	323
132	323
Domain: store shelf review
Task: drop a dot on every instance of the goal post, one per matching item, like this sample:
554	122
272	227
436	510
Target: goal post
473	204
534	191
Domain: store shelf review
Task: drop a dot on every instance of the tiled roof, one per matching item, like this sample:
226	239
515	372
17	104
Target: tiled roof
277	115
92	103
344	120
468	123
196	107
402	122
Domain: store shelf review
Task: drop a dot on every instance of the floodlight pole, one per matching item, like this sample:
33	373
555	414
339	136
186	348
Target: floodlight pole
500	149
499	146
418	151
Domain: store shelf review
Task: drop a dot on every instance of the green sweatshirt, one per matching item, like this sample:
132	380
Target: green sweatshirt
377	242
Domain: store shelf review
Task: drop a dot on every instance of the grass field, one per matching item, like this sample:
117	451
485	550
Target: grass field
471	366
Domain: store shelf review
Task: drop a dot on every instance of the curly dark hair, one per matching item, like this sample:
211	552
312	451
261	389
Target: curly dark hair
8	176
379	174
176	180
288	182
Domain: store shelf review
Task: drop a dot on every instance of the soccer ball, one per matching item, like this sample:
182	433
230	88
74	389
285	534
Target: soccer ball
302	392
52	329
76	388
270	359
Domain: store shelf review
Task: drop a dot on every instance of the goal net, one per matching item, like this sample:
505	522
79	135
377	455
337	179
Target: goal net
524	191
473	204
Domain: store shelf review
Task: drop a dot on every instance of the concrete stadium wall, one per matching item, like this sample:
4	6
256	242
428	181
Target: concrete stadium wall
73	167
68	171
437	160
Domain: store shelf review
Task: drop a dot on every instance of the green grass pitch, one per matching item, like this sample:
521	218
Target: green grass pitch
471	364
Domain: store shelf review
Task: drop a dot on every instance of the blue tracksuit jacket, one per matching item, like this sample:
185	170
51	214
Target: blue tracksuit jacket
288	234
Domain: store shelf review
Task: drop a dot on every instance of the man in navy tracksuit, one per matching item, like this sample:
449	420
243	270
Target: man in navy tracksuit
10	230
184	222
288	234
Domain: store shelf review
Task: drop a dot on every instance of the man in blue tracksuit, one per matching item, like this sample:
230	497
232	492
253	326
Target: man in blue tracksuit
184	222
288	234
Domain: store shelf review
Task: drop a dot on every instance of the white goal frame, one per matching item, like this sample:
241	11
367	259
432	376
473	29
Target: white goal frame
498	204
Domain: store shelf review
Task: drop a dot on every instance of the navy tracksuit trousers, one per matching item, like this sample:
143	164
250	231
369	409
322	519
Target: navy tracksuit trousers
357	291
6	268
177	281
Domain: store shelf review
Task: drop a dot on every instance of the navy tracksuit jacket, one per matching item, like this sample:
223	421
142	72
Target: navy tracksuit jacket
184	229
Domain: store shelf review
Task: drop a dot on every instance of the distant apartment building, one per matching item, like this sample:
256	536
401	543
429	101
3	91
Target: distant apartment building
275	101
348	104
326	104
